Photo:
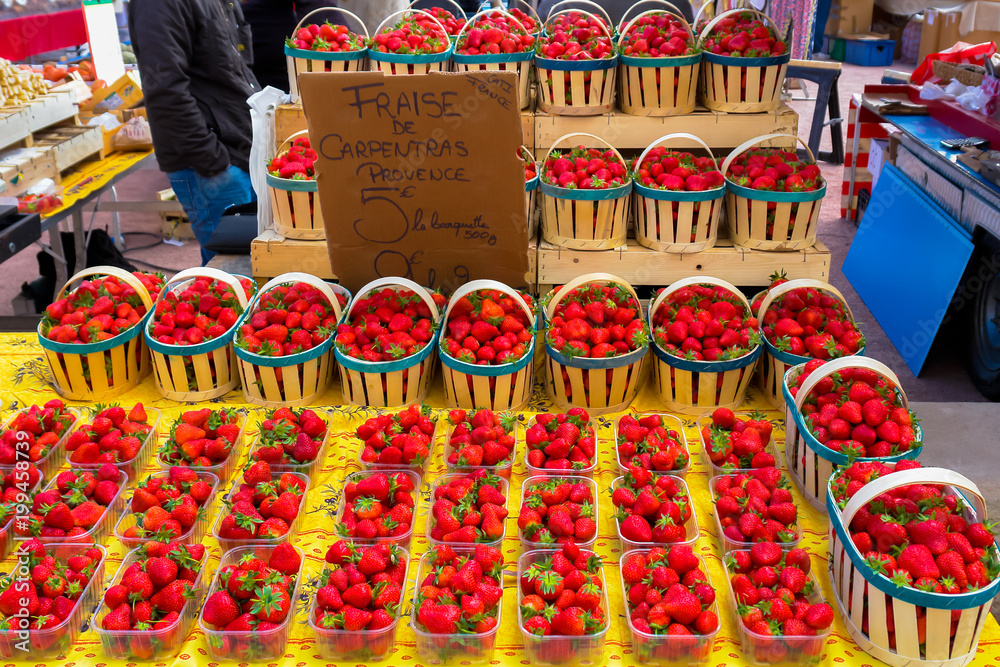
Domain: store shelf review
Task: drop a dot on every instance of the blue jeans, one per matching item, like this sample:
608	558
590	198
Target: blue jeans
205	198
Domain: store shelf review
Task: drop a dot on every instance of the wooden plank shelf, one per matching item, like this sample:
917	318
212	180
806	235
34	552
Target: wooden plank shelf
71	144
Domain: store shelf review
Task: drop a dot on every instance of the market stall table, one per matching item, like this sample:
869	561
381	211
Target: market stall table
24	379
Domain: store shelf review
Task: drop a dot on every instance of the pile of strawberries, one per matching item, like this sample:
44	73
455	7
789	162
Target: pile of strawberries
562	593
857	411
13	484
254	596
360	590
167	506
460	594
664	169
530	166
417	34
97	310
755	507
452	24
659	35
297	163
403	438
204	310
74	505
917	534
647	444
202	438
488	327
288	319
563	442
732	442
481	438
667	592
597	321
558	510
43	427
744	36
50	595
151	594
705	323
386	325
263	505
495	32
378	505
290	437
113	436
575	35
469	508
778	598
774	170
326	37
585	169
652	508
810	323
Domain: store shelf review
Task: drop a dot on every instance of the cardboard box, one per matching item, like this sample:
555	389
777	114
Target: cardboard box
930	33
973	23
850	16
124	93
877	154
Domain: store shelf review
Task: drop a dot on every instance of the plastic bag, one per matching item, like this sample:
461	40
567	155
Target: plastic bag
960	53
262	106
973	99
134	135
932	91
955	88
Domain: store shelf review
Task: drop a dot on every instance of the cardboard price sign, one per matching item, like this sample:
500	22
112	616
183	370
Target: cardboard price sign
419	175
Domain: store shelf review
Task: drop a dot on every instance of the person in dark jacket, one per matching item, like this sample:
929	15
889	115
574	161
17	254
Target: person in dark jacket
271	22
194	59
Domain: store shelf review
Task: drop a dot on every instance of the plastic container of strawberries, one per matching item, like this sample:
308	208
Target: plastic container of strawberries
528	545
732	545
135	465
364	645
193	535
652	649
706	420
229	544
52	461
560	649
402	540
100	531
421	469
467	649
256	646
149	644
586	472
671	423
224	469
691	531
53	642
312	468
780	649
431	521
503	470
7	531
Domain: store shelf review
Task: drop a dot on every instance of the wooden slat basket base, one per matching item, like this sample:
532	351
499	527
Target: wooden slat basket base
694	393
582	224
639	94
657	228
724	90
215	374
408	68
294	385
393	389
297	214
586	98
582	388
128	362
795	225
503	392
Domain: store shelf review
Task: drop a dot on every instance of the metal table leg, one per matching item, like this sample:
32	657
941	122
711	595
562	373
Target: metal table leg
78	238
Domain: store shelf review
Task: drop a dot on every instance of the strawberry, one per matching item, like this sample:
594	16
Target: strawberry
205	443
648	444
566	442
294	438
378	506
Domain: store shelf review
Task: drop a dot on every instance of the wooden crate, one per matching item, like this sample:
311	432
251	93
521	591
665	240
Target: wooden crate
14	127
47	110
643	266
623	131
20	168
72	144
174	224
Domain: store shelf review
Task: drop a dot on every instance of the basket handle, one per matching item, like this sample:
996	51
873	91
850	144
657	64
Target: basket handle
332	9
295	277
410	11
474	17
784	288
674	135
731	12
600	21
835	365
401	282
289	139
475	285
209	272
664	8
554	9
875	488
526	151
550	309
124	276
697	280
753	142
582	134
461	12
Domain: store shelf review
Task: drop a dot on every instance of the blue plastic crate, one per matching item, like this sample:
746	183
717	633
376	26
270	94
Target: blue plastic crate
870	52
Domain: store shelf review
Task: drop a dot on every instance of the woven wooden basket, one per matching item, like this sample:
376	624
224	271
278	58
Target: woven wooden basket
114	366
302	60
212	362
666	220
295	204
519	63
584	219
402	63
576	87
795	223
657	86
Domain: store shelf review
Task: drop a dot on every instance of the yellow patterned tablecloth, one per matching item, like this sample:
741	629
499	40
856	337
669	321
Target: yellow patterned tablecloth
24	379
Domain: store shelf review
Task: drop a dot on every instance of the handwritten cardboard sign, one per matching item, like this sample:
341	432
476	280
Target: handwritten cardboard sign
419	175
